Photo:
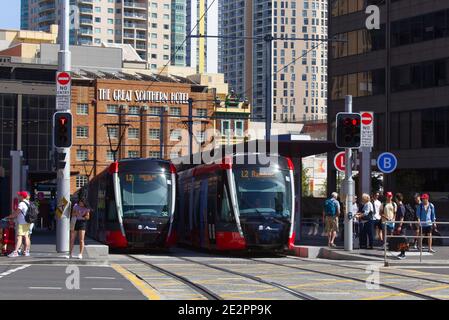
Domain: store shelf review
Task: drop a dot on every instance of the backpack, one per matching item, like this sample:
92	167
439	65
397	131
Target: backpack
330	208
410	214
32	213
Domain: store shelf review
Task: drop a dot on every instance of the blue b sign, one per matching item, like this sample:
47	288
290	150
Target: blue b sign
387	162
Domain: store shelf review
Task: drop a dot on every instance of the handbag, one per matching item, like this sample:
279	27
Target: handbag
368	217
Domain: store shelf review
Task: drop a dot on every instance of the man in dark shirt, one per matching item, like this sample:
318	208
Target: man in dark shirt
400	216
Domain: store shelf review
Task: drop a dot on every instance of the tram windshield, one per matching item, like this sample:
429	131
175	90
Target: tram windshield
145	194
263	191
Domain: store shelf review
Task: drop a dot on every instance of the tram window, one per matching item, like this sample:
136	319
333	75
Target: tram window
212	198
226	214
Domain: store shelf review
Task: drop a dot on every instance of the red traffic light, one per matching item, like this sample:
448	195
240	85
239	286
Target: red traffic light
63	121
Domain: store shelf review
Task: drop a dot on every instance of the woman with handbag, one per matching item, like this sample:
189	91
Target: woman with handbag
366	217
80	216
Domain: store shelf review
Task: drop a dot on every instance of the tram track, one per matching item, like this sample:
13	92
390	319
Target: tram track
297	294
208	294
324	263
346	277
212	295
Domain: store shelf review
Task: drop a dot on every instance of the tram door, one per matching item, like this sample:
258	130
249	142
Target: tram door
203	212
212	208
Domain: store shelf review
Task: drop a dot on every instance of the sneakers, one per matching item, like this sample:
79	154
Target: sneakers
27	253
13	254
432	251
80	256
415	246
401	256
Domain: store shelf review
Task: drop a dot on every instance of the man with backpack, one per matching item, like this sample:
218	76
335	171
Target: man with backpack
426	218
331	213
25	214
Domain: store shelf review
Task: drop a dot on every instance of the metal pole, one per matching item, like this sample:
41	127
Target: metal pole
190	128
420	243
268	84
349	182
63	175
385	244
161	133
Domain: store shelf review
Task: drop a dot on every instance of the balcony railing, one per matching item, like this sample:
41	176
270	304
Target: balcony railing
46	18
86	21
86	10
46	7
134	25
134	15
135	5
86	31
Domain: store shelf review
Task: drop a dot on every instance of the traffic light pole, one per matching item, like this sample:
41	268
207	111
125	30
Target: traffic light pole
63	174
349	188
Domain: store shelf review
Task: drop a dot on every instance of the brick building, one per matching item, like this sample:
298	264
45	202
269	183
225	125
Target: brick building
125	109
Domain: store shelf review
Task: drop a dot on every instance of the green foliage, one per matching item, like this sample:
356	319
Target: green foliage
305	178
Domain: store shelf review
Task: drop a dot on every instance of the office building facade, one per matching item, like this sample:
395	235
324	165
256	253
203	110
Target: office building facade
401	73
299	67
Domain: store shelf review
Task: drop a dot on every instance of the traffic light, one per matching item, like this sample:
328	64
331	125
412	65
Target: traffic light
348	131
62	129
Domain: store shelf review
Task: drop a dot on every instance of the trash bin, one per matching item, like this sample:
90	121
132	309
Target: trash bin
7	232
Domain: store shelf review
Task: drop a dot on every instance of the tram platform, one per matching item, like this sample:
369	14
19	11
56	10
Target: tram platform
43	251
440	258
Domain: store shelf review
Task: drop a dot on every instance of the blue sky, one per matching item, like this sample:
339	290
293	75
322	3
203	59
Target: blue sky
9	14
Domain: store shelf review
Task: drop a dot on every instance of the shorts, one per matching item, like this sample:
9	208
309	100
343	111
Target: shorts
378	224
331	224
23	230
80	225
426	229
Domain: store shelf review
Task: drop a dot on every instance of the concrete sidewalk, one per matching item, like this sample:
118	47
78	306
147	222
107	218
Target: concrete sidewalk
440	258
43	251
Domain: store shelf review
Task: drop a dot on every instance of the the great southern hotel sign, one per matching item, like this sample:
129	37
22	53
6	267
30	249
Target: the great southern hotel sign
141	96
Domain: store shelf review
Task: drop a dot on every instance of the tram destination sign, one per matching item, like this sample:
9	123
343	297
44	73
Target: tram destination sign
142	96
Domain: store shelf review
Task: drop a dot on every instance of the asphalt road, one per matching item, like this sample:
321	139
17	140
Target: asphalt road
53	282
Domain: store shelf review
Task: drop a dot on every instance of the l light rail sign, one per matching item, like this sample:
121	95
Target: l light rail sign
367	130
340	161
63	90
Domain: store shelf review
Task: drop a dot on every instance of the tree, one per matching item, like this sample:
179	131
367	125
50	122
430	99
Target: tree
305	178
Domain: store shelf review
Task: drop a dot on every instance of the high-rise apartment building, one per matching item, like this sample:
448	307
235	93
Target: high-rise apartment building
401	73
24	14
202	19
299	67
153	28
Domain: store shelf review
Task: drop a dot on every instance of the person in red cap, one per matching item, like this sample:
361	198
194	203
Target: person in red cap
23	227
388	213
426	218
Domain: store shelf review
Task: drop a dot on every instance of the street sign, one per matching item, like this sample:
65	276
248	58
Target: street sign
63	90
367	130
339	161
387	162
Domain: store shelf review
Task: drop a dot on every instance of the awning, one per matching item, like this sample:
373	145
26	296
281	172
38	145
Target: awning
41	176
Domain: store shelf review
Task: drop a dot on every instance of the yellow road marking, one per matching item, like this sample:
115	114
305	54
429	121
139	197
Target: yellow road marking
142	286
404	294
